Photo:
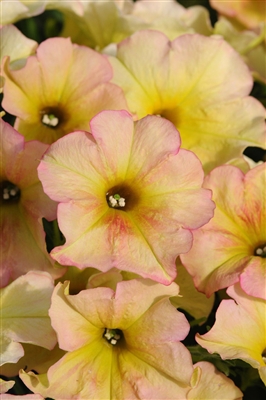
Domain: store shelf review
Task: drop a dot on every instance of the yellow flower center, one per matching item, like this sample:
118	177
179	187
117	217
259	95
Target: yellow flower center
171	114
10	193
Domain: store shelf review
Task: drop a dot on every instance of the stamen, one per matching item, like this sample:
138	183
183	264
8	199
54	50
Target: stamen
112	336
116	201
122	197
10	192
261	251
50	120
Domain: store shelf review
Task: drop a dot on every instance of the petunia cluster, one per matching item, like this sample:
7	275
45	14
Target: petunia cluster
133	200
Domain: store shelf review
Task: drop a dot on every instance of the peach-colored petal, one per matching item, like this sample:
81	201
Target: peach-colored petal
25	318
228	253
213	385
11	144
85	371
128	251
23	246
5	386
155	336
74	330
245	336
15	45
72	8
190	299
131	303
107	279
57	56
142	380
83	172
172	18
152	384
23	172
99	304
253	278
138	151
13	11
11	351
247	12
35	358
250	44
102	23
7	396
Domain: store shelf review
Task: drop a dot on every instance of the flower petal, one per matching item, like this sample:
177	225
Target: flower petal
154	338
213	385
64	379
245	329
27	320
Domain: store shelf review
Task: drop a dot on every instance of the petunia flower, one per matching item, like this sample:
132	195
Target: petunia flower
239	331
59	90
23	205
128	196
24	317
191	82
120	345
235	239
248	13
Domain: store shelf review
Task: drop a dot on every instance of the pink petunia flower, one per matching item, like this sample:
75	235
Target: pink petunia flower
23	205
59	90
232	246
122	344
129	196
